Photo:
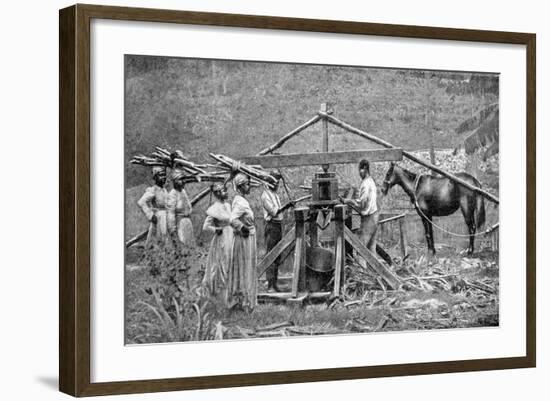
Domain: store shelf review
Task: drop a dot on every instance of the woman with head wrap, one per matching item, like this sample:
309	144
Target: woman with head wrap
153	205
242	278
179	210
217	223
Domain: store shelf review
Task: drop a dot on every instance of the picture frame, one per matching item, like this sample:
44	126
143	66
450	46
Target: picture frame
75	204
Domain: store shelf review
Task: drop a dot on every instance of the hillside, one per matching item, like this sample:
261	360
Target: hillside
237	108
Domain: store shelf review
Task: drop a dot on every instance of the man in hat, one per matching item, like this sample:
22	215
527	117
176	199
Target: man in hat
366	205
273	228
153	205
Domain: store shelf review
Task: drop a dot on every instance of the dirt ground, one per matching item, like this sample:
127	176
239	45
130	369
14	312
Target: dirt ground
446	291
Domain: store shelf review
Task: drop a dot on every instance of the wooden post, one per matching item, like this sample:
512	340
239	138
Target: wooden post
313	232
298	271
403	237
340	257
325	134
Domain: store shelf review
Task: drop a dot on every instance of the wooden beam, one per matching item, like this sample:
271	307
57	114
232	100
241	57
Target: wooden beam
325	135
308	159
339	216
283	296
409	156
388	276
313	232
278	249
392	218
403	238
298	271
292	133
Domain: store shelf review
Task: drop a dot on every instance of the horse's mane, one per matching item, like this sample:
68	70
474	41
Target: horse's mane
411	175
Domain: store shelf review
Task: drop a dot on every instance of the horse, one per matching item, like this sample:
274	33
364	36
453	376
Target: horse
439	196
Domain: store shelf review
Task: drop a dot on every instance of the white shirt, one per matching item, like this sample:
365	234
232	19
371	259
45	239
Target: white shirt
367	197
271	204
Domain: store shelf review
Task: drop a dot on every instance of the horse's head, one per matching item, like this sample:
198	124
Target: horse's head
390	180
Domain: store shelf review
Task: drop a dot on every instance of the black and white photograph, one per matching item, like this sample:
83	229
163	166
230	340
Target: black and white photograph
277	200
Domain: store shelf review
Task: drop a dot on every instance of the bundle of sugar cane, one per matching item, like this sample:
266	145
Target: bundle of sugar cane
177	159
147	161
253	172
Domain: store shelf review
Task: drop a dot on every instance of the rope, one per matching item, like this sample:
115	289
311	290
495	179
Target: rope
236	166
488	231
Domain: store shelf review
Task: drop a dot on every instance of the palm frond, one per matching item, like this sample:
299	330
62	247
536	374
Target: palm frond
475	121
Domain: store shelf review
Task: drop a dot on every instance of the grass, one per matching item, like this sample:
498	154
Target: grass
454	304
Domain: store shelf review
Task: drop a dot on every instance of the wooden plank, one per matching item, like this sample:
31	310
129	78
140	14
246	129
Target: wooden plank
403	238
338	267
286	295
298	270
278	249
308	159
390	278
392	218
325	135
296	265
409	156
313	232
339	216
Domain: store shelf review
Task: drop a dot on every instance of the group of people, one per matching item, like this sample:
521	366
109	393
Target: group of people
231	262
232	257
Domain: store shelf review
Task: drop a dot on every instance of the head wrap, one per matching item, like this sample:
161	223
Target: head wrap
177	174
240	179
217	187
158	170
276	174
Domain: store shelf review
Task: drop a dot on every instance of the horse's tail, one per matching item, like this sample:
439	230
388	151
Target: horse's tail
480	211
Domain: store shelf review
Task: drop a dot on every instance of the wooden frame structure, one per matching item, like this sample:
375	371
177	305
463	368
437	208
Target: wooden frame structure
342	234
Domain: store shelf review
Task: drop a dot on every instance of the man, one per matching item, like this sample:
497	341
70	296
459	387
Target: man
366	205
273	231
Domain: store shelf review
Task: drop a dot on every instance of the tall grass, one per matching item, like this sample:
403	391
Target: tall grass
176	301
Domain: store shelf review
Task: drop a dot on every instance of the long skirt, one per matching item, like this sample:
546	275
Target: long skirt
184	229
242	280
157	232
217	263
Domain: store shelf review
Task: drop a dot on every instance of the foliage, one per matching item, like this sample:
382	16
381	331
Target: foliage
237	108
482	130
175	299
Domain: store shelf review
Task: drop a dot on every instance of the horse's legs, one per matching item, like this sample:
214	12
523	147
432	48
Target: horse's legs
467	207
431	228
428	231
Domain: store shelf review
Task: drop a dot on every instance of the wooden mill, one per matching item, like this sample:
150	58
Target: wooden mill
324	196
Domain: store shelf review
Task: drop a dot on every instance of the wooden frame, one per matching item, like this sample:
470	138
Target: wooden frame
74	200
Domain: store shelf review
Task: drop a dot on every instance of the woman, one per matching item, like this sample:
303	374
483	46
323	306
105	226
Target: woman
242	279
153	205
217	223
179	210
